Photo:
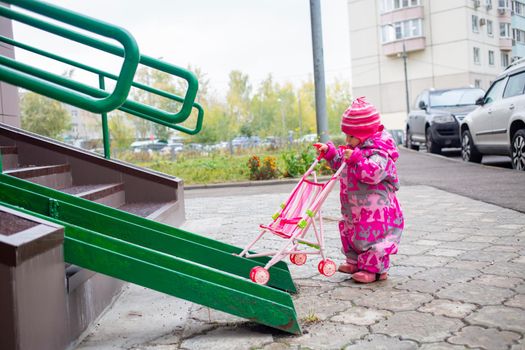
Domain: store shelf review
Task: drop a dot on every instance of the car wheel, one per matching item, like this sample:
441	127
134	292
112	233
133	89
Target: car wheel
518	150
469	152
408	141
432	147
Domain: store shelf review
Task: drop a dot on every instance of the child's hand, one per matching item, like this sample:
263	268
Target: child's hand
348	153
321	147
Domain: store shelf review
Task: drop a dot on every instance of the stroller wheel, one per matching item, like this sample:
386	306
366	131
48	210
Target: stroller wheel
298	259
327	267
259	275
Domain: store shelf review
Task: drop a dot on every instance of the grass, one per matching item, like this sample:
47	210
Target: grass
205	170
220	167
311	318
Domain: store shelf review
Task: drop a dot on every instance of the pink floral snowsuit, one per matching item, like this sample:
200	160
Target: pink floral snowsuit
372	218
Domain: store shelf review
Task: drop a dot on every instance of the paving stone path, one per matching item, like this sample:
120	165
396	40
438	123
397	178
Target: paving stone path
458	282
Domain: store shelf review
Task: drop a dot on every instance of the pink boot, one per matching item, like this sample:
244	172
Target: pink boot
368	277
347	268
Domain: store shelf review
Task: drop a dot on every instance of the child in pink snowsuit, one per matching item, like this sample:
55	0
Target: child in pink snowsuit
372	218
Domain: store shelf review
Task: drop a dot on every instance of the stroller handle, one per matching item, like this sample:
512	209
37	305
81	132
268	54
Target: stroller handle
321	153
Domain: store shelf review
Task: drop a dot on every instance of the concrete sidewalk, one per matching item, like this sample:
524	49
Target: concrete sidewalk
458	282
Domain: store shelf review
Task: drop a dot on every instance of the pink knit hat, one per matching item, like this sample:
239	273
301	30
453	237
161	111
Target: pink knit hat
361	119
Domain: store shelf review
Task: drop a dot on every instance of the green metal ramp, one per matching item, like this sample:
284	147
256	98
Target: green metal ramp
157	256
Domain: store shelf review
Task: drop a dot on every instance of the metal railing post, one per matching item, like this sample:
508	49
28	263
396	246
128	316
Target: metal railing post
105	128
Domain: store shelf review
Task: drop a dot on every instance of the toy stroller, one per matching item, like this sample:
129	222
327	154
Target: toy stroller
291	222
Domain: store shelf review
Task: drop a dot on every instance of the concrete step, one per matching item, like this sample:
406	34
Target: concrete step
147	209
32	282
11	224
9	157
53	176
112	195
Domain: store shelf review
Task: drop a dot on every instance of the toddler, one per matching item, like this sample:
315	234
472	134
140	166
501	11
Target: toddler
372	218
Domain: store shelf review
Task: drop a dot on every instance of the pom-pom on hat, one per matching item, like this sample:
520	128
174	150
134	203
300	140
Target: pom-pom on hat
361	119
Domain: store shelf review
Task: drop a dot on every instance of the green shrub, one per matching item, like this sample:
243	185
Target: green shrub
254	164
296	163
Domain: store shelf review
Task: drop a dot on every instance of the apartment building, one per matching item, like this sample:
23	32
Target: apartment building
444	43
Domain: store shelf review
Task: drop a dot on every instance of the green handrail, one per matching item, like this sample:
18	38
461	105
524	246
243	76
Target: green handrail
130	52
158	114
129	106
143	109
151	62
57	87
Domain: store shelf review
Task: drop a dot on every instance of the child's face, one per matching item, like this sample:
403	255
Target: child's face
352	141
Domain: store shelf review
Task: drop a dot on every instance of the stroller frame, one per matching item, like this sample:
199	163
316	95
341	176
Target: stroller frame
294	229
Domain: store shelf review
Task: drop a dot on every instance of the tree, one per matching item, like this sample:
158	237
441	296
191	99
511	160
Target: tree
338	99
44	116
286	103
238	97
265	109
307	104
121	131
165	82
272	110
215	127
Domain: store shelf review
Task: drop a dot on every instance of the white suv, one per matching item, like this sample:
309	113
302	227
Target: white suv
497	126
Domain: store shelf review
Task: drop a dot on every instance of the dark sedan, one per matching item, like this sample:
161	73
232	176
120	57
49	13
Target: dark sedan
435	119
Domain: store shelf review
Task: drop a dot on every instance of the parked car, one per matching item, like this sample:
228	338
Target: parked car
172	148
497	126
241	142
398	135
246	141
435	119
271	142
310	138
148	146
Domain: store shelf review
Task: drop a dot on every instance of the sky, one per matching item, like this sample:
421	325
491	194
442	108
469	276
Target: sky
256	37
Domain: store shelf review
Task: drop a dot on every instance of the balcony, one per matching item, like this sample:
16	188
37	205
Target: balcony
504	9
505	44
411	44
504	15
403	14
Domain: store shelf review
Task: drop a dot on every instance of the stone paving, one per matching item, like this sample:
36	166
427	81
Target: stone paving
458	282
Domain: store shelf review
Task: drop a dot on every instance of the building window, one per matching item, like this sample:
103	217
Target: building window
504	30
399	30
489	28
402	30
476	55
518	8
488	4
503	4
518	35
477	83
504	59
392	5
414	28
386	6
491	57
475	24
